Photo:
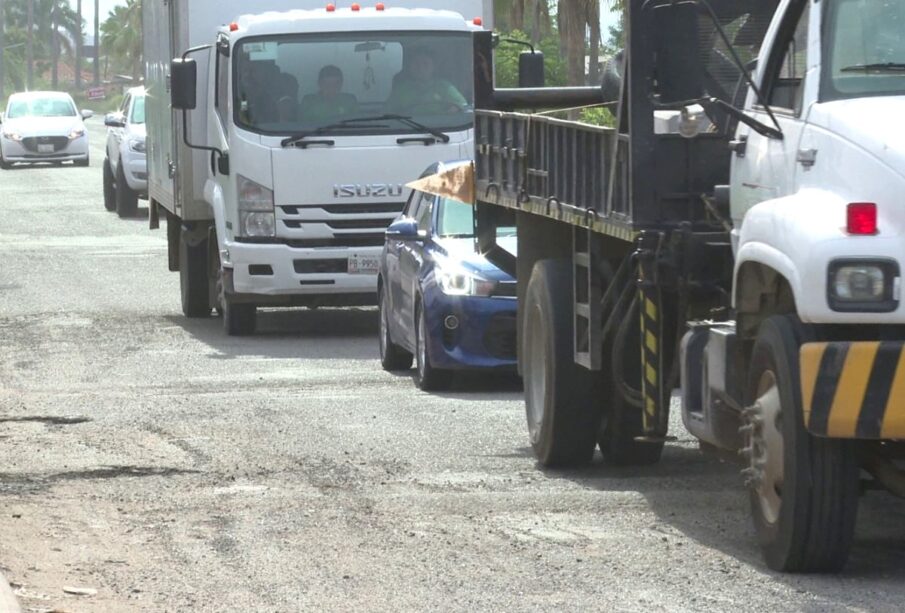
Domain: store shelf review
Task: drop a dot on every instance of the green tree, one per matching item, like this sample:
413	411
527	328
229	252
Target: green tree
121	38
53	26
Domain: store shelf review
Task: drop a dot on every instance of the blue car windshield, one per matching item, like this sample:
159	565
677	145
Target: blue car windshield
456	220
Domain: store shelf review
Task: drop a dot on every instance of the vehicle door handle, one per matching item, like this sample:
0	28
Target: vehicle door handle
740	146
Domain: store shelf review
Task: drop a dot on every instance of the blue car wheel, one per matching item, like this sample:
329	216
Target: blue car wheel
427	377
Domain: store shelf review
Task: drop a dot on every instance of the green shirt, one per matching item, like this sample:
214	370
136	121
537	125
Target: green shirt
316	108
430	97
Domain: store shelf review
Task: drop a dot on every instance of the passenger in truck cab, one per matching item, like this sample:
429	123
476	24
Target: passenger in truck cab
287	98
330	102
418	91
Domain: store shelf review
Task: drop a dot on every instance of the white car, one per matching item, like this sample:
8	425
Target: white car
43	127
126	164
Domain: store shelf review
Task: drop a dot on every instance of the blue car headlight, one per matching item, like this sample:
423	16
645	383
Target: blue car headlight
455	280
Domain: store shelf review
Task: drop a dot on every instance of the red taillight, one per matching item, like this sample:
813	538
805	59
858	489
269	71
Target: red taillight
478	21
233	26
861	218
331	8
355	6
379	6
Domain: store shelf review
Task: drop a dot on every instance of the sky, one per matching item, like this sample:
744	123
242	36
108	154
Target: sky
88	13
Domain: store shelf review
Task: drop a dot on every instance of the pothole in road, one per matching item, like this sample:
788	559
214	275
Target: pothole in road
50	420
36	481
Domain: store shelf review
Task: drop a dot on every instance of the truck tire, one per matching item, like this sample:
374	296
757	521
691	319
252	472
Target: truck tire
109	188
804	497
427	378
239	319
621	423
126	197
193	281
392	356
561	398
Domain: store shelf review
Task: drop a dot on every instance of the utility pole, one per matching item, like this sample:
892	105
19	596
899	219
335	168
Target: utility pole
2	44
54	49
29	47
97	42
78	48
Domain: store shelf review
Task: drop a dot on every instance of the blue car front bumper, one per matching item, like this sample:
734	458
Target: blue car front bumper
484	337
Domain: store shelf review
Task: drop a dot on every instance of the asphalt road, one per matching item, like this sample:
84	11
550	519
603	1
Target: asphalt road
170	468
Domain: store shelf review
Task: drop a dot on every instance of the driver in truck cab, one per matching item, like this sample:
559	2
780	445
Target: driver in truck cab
417	91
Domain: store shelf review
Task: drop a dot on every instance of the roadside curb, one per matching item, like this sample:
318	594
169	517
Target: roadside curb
8	602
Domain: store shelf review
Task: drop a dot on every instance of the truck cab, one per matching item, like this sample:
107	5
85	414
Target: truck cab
833	77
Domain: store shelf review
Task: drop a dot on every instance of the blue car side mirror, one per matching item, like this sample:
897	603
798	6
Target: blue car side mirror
404	230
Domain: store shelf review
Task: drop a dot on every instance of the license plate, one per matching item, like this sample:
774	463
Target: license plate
363	264
45	148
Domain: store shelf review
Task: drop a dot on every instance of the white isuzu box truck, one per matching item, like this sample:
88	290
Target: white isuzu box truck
280	142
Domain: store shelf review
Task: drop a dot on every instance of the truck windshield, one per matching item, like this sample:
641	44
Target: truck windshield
866	49
292	84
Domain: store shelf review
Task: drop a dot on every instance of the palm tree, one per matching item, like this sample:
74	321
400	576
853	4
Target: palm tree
121	38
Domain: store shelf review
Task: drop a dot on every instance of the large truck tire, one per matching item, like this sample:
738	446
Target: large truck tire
561	398
239	319
803	489
427	378
621	422
109	187
126	197
392	356
193	281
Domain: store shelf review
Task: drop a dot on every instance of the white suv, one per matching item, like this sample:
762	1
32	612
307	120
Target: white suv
126	165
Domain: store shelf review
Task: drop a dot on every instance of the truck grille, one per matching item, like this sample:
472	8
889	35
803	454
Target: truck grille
31	142
499	338
337	225
321	266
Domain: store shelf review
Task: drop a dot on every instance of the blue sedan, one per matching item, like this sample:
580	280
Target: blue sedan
440	301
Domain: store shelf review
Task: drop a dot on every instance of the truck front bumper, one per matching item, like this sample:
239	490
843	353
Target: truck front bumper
854	389
280	274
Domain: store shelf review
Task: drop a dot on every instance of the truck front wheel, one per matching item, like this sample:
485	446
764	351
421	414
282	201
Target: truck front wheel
561	397
109	188
803	489
193	282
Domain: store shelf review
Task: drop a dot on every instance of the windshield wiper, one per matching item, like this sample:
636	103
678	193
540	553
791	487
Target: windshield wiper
879	67
339	125
357	121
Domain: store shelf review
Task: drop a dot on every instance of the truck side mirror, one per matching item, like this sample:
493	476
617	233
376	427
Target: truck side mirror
183	83
531	69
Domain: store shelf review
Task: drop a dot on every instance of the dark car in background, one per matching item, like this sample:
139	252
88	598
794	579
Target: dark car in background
441	303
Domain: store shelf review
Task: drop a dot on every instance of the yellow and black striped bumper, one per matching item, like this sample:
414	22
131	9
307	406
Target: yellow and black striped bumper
854	390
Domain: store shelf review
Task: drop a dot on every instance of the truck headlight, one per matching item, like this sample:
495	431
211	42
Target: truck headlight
870	285
256	215
137	145
455	280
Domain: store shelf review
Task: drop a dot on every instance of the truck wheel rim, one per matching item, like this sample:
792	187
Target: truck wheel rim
536	379
767	447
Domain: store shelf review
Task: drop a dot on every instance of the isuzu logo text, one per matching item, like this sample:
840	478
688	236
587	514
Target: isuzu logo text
367	190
